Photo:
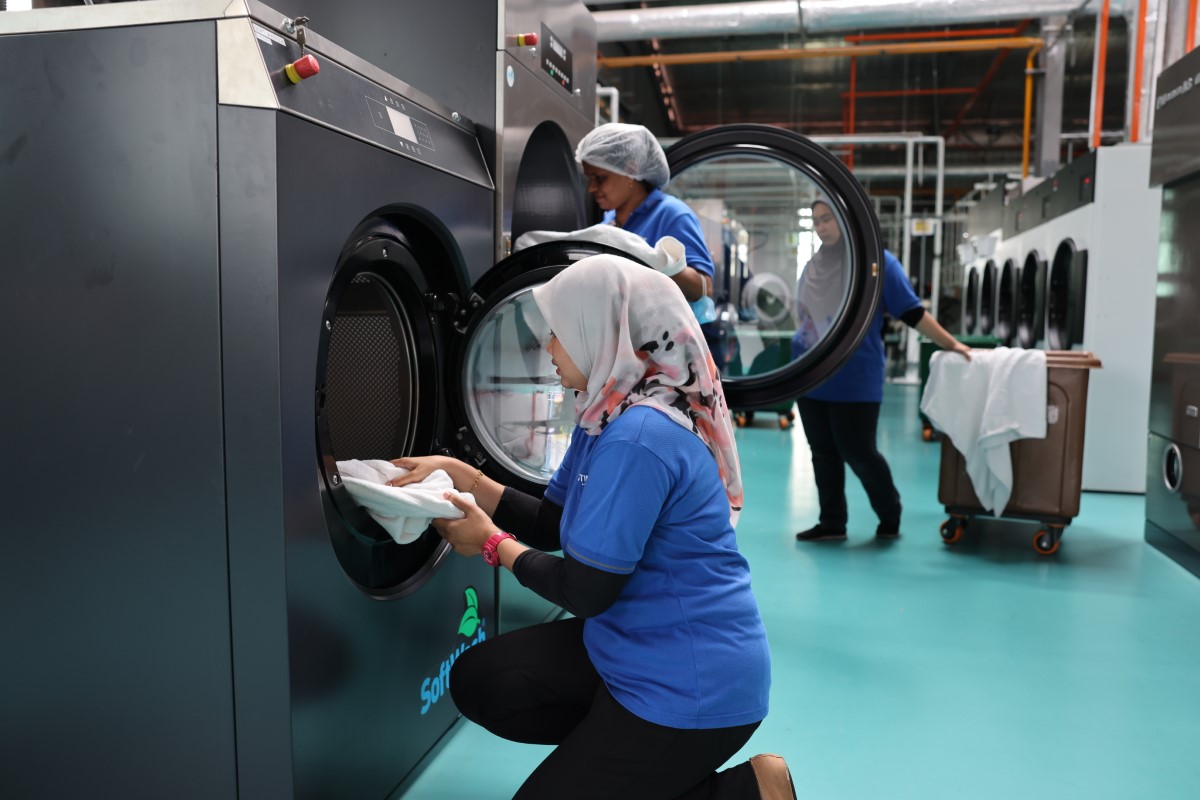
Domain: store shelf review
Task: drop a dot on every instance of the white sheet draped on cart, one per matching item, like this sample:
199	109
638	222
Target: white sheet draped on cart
983	405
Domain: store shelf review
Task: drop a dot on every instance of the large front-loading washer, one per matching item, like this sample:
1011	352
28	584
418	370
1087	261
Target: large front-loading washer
1095	247
988	280
1031	290
525	72
1173	458
1008	298
972	288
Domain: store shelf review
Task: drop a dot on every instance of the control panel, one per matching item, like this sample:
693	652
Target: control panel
317	88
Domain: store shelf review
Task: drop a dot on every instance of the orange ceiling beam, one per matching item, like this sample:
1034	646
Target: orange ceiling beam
833	51
916	36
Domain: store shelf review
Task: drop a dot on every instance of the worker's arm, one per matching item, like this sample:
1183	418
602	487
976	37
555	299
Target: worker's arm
930	327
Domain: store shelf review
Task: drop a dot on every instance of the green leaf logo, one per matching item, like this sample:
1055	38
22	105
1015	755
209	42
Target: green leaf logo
470	617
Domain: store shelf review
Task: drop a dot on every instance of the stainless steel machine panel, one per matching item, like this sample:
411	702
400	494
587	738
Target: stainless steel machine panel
564	58
350	103
171	233
538	182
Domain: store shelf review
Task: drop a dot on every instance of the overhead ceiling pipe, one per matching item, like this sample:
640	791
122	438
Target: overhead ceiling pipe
823	16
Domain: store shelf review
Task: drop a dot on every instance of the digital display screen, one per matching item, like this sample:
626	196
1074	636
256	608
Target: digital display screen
401	125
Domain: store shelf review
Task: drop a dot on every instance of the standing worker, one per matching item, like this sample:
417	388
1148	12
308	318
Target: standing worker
663	673
841	416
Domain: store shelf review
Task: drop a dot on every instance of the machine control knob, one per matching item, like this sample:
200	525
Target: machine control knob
301	68
524	40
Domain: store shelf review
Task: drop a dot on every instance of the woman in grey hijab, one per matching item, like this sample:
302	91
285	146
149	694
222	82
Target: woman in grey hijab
841	416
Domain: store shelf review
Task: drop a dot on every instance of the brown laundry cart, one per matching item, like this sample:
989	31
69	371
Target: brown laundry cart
1047	473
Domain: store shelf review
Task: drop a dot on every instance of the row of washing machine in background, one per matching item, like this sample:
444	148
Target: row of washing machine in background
1073	266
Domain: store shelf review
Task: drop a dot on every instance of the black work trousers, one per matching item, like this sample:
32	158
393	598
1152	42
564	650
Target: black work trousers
840	434
537	685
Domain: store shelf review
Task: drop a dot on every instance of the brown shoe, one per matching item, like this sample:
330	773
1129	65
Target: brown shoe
774	779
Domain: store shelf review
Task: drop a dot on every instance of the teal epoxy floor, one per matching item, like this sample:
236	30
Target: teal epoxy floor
917	670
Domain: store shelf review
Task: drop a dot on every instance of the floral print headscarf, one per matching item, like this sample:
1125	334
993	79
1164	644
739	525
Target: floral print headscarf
632	333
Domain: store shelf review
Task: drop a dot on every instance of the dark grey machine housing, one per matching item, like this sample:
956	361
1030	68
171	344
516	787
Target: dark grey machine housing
1173	456
532	104
174	215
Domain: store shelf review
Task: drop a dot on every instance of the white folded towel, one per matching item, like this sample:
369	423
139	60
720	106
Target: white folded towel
983	404
403	511
666	256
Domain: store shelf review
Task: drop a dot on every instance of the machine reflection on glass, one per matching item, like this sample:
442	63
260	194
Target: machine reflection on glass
514	397
782	264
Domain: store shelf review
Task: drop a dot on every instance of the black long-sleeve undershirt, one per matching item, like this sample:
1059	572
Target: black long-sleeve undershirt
582	590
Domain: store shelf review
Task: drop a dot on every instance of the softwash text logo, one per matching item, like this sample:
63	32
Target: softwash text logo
470	628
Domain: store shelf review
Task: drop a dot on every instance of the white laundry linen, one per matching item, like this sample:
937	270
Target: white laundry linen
403	511
667	255
983	404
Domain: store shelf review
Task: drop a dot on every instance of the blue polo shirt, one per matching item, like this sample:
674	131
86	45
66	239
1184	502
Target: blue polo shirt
683	645
860	380
661	215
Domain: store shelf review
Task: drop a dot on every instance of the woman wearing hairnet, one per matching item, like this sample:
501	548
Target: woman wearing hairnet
626	169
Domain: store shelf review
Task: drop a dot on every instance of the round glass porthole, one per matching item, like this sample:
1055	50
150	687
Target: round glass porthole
515	404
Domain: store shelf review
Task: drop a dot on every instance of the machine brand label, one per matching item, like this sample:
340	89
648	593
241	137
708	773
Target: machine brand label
1179	91
556	59
470	632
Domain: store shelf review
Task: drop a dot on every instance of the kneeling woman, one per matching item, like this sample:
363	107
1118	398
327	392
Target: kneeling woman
663	673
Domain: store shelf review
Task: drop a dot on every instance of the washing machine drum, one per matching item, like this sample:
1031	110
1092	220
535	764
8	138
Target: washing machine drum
1065	301
971	302
1007	303
1031	300
987	299
768	298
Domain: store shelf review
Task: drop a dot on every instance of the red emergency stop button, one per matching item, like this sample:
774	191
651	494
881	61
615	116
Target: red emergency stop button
301	68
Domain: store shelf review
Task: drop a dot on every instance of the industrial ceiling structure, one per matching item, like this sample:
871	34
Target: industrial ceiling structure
952	68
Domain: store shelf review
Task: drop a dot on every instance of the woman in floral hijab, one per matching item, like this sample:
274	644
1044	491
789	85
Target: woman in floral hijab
663	671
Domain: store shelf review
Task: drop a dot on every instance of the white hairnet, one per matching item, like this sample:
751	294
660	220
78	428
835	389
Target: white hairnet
628	150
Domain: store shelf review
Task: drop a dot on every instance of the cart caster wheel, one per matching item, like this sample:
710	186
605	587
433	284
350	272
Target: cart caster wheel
1046	541
952	530
784	422
740	420
927	434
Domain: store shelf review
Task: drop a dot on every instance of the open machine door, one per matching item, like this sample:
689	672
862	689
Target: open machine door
753	188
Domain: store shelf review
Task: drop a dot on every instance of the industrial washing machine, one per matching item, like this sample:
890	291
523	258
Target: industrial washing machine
986	317
1098	237
971	290
238	254
525	72
1172	474
1031	292
1008	299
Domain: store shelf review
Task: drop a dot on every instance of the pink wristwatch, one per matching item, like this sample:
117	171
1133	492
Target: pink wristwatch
490	551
